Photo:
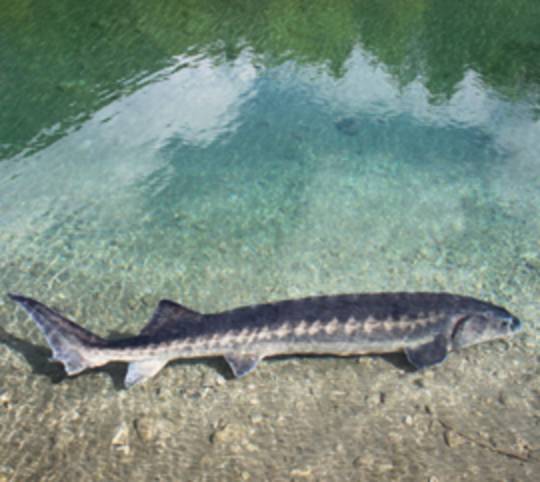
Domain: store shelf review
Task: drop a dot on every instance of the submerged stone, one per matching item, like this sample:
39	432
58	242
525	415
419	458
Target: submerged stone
348	126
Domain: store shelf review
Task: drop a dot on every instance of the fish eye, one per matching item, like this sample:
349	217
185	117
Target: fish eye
505	324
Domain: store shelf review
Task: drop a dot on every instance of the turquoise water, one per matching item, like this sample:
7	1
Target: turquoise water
223	155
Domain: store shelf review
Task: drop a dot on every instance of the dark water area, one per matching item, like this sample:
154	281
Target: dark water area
222	154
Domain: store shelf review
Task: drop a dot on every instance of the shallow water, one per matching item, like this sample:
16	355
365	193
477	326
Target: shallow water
225	155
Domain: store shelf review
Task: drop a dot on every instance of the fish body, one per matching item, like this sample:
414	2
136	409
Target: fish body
426	326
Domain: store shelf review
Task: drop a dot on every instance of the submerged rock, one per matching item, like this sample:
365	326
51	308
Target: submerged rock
145	428
348	126
120	440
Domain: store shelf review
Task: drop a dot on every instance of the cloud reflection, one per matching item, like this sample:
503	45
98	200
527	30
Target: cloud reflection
195	100
196	103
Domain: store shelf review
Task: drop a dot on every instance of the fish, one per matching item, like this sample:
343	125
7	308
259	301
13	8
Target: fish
425	326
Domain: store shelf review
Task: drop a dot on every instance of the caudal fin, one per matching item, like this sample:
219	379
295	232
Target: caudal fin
71	344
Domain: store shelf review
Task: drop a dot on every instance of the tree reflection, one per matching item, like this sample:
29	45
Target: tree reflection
60	62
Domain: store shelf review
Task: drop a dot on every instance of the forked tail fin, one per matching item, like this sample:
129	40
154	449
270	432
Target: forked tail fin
71	344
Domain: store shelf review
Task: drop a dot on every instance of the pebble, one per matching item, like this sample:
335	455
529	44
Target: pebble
227	433
364	461
145	428
408	420
376	399
303	473
212	379
364	360
530	343
502	398
256	419
419	383
120	438
5	399
382	468
522	445
453	439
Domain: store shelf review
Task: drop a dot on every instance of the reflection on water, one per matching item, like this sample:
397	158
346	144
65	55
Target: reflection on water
74	61
225	155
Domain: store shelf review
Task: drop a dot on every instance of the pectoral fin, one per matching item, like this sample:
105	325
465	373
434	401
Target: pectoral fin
242	364
428	354
142	370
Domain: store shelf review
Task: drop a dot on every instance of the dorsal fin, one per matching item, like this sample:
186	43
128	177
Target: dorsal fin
168	314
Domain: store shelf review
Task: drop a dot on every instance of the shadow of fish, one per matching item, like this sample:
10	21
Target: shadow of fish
426	326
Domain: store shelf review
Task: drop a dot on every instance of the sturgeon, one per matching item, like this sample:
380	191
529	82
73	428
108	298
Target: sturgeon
426	326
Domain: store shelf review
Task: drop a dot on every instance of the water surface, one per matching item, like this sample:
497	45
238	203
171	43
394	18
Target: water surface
223	155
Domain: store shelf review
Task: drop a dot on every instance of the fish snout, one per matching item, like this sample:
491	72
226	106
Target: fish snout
515	324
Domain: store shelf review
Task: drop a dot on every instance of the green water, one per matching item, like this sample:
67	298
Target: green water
227	153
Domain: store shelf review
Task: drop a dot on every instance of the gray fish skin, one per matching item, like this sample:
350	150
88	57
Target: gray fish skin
426	326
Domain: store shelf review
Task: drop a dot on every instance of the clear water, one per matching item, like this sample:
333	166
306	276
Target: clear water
225	154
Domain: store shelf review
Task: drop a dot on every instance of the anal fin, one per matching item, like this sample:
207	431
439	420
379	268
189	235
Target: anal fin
242	363
139	371
428	354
